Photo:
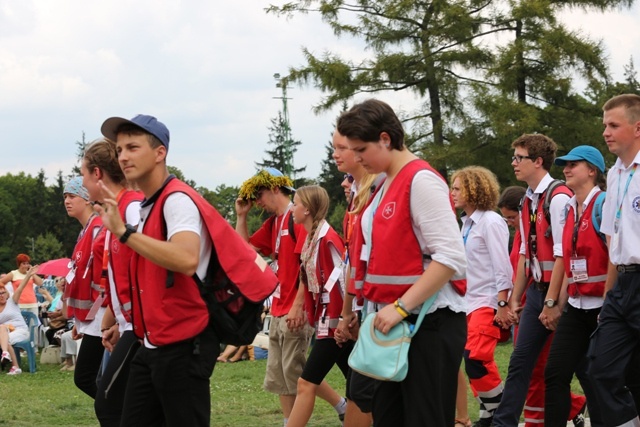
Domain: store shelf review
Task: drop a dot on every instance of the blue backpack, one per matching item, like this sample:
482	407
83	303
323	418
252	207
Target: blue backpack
596	214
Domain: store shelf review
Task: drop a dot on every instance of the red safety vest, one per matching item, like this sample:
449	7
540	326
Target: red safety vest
85	287
544	243
120	255
167	314
324	268
588	245
393	239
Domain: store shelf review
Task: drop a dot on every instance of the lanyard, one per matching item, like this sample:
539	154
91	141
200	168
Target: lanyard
284	215
104	274
351	218
465	234
626	187
576	227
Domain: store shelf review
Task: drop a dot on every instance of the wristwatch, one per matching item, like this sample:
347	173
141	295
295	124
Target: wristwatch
129	229
502	303
550	303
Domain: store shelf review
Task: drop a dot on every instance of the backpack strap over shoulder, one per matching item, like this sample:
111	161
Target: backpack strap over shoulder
552	190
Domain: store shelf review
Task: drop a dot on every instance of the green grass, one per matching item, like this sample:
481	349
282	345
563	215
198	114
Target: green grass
49	397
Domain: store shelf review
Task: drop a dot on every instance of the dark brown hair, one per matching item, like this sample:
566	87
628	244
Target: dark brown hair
367	120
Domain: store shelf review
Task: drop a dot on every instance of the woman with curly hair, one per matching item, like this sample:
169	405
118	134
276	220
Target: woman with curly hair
475	190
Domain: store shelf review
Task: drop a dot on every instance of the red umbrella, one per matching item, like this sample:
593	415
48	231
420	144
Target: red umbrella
55	267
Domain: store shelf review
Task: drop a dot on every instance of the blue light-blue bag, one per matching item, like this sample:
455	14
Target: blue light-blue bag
385	357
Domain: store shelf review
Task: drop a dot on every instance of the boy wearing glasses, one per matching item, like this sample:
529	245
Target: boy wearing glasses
540	272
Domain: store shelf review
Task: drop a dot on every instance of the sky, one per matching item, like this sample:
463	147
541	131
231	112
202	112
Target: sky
204	68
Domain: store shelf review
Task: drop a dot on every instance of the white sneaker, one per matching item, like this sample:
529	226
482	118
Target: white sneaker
14	371
5	360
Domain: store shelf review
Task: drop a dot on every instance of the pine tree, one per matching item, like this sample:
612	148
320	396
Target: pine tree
280	156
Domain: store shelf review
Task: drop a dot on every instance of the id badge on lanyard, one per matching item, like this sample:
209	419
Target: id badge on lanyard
323	325
578	267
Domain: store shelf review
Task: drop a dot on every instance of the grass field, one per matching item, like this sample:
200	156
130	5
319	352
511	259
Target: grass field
49	397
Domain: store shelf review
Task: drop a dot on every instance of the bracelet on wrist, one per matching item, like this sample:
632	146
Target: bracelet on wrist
401	305
401	312
400	308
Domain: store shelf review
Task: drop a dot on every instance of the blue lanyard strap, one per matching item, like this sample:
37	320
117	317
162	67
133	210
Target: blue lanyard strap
626	188
465	233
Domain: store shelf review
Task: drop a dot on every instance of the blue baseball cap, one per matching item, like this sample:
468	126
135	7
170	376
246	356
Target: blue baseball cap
148	124
583	152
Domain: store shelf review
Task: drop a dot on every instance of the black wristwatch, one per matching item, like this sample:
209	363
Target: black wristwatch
127	232
502	303
550	303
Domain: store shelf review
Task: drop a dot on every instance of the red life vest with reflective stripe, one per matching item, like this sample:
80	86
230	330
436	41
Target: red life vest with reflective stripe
588	245
120	255
544	243
166	314
84	289
395	259
324	268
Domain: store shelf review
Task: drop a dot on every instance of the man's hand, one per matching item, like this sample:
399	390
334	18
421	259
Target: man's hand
108	211
110	337
295	318
74	333
550	317
243	206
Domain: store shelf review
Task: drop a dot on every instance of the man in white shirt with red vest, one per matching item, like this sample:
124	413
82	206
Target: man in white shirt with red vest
169	375
540	273
615	347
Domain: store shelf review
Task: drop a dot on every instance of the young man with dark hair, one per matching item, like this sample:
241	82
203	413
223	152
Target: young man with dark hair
540	272
169	375
615	352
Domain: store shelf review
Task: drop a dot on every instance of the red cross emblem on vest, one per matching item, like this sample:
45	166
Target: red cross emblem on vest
388	210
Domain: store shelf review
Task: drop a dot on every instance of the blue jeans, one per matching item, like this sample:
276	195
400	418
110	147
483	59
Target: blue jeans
532	336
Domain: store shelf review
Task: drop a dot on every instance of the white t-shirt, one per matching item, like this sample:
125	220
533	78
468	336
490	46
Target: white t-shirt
181	214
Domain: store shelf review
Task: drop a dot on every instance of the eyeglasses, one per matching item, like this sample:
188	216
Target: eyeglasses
349	178
517	158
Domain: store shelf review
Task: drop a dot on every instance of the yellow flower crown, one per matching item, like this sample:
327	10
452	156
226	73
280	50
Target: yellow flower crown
264	179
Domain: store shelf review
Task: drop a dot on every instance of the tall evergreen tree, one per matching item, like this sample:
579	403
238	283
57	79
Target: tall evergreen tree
427	48
280	156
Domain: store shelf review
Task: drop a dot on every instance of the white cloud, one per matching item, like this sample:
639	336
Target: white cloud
204	68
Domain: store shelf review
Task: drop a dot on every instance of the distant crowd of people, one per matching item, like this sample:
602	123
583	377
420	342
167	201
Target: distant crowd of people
568	288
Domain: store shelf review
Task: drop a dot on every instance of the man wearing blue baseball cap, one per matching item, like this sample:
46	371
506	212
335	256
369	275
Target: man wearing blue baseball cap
169	375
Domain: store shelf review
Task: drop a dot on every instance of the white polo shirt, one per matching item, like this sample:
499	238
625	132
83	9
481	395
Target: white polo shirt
623	192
